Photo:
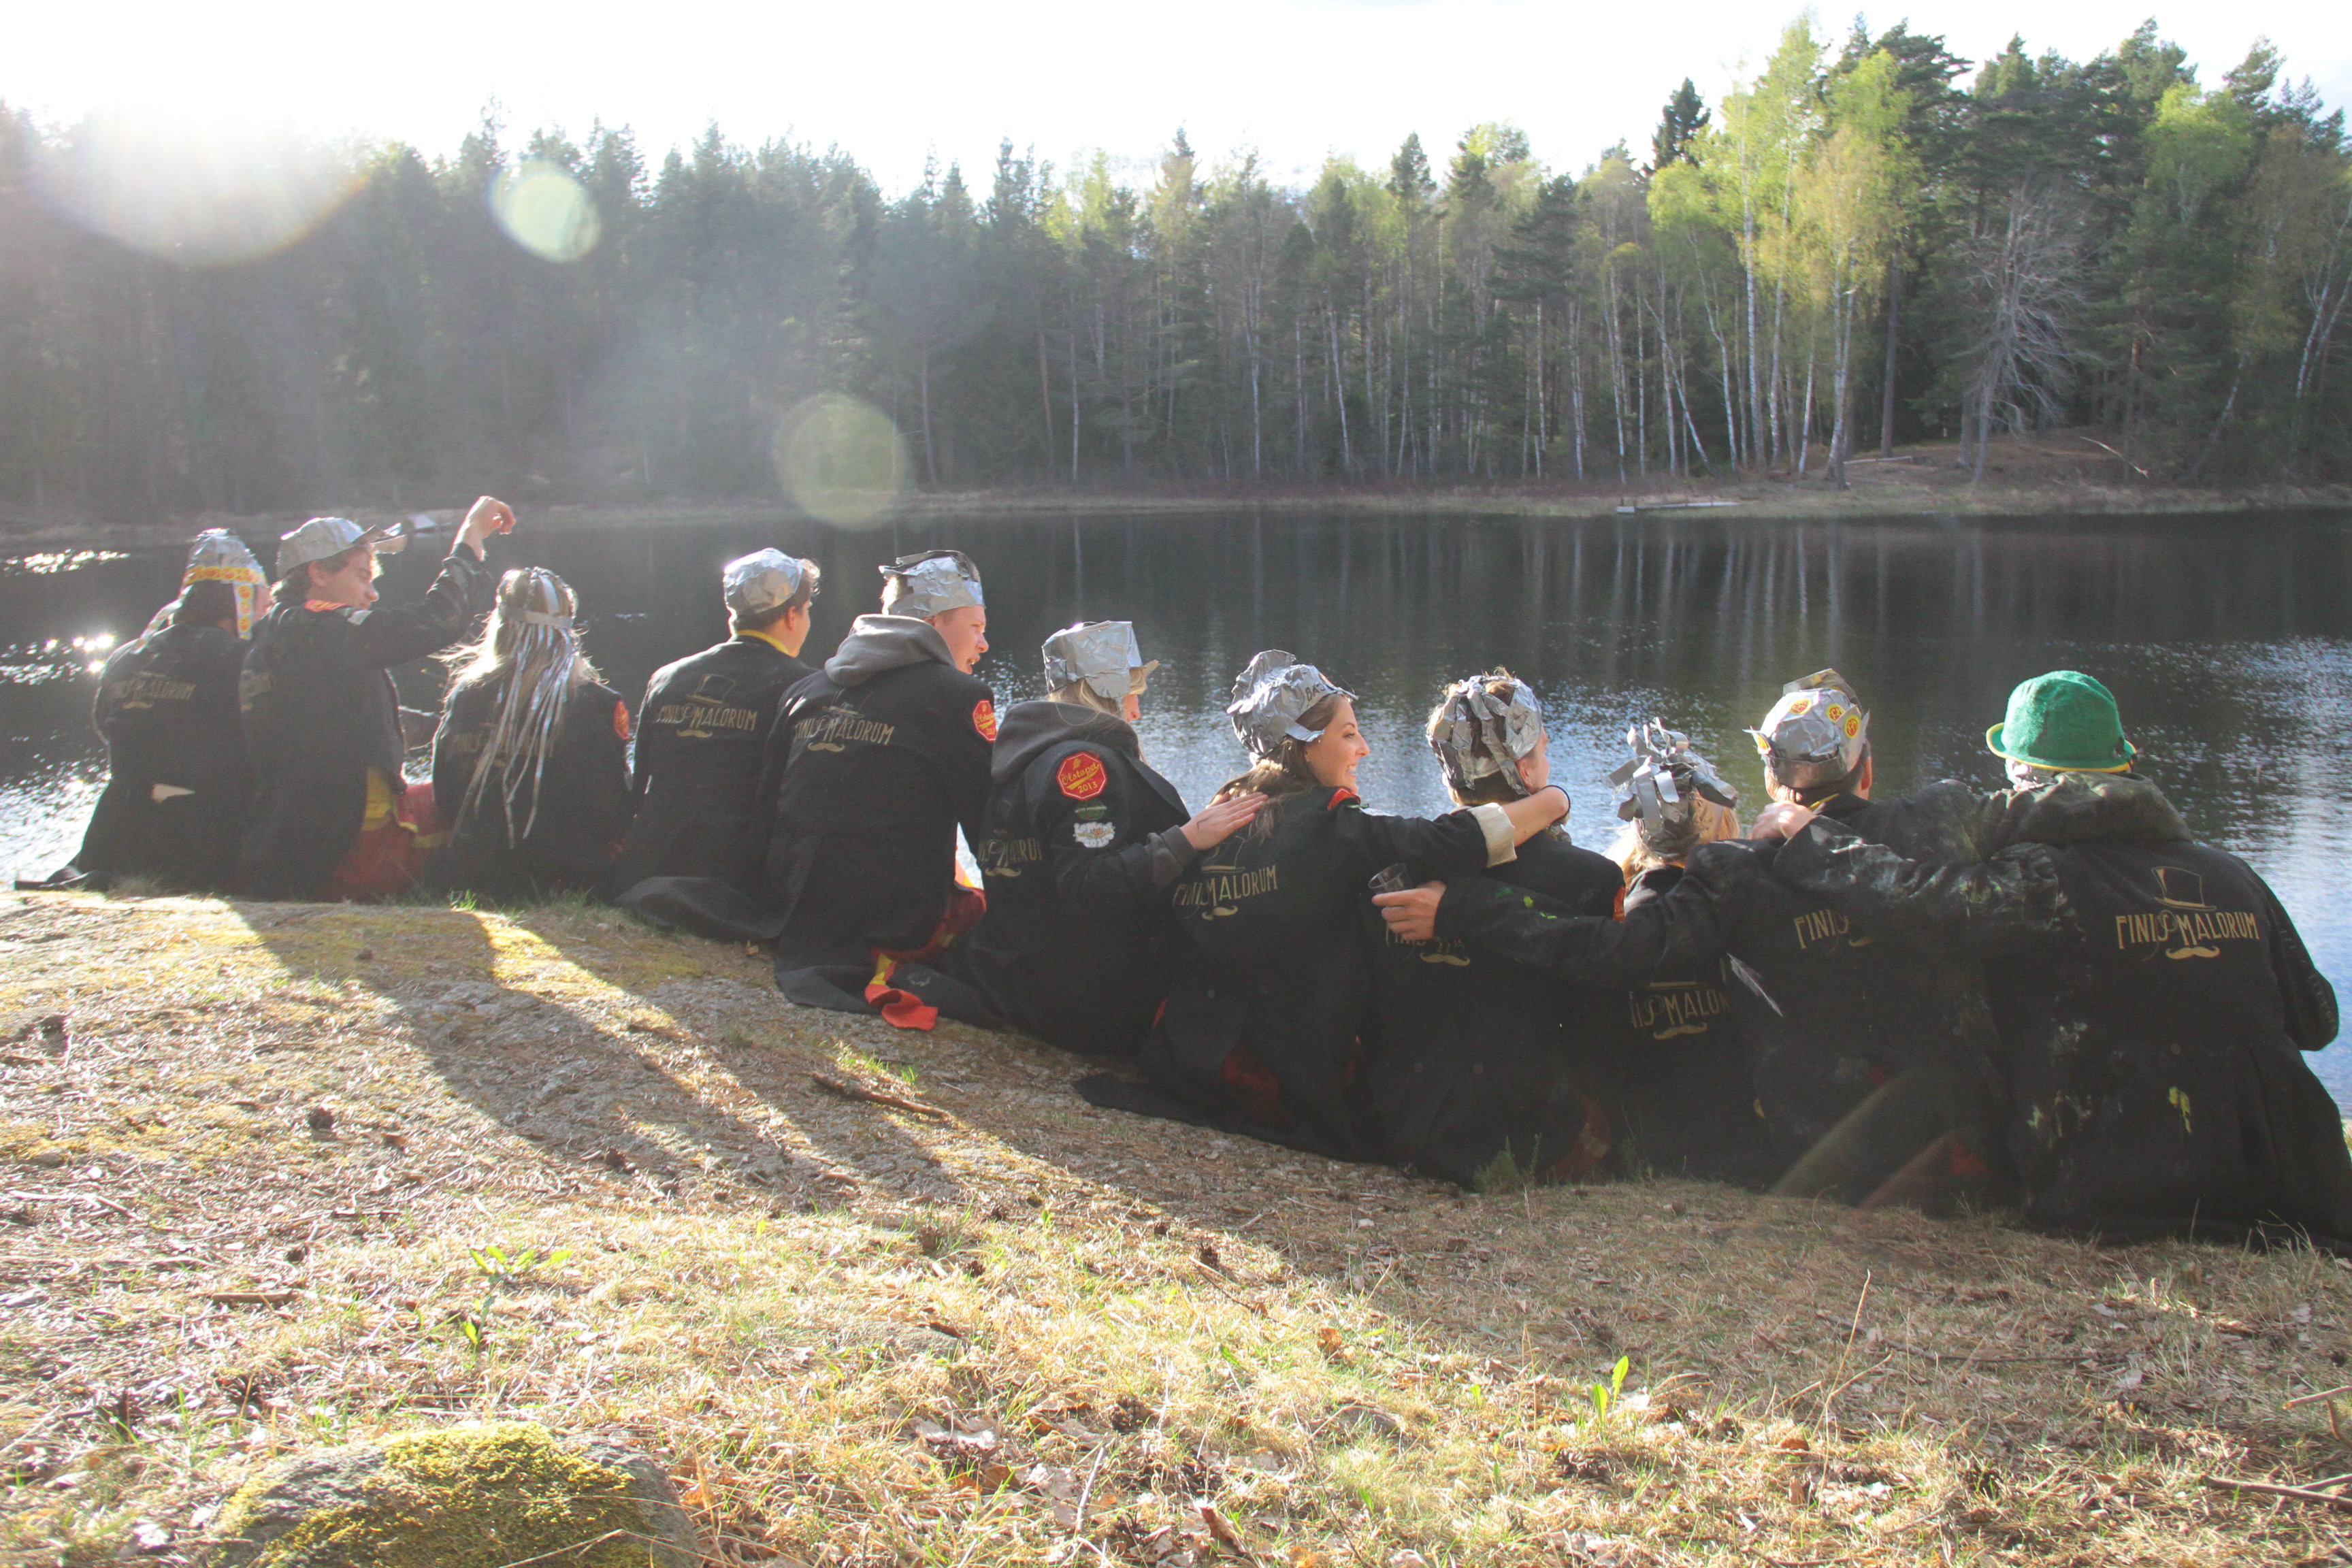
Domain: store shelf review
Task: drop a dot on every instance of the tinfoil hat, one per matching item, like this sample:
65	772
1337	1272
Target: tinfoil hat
931	583
1272	695
1509	723
1815	732
1103	654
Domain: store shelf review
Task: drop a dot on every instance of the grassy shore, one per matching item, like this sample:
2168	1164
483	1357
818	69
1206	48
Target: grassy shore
2057	474
291	1175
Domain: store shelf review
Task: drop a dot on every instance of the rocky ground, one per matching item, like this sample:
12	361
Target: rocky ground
279	1176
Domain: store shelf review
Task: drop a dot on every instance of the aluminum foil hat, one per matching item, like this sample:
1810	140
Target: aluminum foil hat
1661	786
1509	723
324	537
1103	654
1272	695
756	583
930	583
219	556
1815	732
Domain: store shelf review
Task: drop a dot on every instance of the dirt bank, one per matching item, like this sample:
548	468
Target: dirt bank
2058	473
881	1298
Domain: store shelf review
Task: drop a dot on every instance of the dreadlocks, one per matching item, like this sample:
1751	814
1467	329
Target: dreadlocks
529	645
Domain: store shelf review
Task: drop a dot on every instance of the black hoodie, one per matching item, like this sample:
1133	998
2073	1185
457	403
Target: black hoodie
2153	1001
1082	846
174	807
871	765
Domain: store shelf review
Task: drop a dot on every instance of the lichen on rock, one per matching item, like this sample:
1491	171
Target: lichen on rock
477	1496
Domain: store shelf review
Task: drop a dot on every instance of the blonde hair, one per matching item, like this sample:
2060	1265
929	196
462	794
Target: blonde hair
1634	856
1079	694
529	646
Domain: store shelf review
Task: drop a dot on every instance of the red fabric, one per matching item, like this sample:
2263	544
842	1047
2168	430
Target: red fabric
899	1009
904	1009
1964	1162
387	859
1593	1145
1339	797
1081	775
1260	1090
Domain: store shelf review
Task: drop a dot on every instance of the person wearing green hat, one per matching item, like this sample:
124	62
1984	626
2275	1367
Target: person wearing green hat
2153	998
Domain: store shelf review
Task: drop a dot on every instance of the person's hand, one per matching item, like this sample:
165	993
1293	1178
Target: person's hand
1782	819
1412	914
488	515
1221	819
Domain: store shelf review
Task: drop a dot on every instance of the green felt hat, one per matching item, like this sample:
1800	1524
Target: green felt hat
2063	721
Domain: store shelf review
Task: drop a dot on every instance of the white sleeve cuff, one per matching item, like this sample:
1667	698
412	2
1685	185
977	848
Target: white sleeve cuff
1502	846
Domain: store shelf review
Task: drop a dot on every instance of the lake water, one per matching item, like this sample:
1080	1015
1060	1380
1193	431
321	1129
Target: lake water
2229	644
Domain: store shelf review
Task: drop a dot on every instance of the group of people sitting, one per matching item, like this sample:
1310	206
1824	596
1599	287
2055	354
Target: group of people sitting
2048	995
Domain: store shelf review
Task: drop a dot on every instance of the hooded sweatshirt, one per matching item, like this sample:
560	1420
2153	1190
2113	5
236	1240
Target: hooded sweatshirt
1082	846
2154	1001
871	765
174	806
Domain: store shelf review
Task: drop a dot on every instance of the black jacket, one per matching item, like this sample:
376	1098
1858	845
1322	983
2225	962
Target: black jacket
1471	1060
871	767
319	711
167	707
1273	975
703	739
1690	1106
582	800
2154	1001
1081	847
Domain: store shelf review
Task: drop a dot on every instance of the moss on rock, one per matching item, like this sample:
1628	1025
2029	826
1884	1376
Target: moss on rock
469	1497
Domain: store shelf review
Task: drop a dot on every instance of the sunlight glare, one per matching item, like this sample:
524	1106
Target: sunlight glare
200	196
841	461
546	211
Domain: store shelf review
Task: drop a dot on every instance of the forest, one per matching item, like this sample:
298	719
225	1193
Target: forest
1864	242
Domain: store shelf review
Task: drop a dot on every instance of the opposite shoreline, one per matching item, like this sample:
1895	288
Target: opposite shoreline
2027	478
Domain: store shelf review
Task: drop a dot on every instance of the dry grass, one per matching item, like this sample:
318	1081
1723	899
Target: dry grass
1025	1331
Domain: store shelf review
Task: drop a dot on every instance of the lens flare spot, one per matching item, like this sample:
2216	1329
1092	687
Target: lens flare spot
546	211
200	196
841	461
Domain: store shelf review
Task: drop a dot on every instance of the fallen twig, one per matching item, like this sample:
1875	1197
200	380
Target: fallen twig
2298	1399
249	1297
2272	1489
845	1089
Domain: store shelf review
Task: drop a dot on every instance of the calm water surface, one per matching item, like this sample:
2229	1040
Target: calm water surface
2229	645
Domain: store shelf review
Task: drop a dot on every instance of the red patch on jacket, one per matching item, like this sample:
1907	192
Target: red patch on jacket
983	719
1339	797
1081	775
621	720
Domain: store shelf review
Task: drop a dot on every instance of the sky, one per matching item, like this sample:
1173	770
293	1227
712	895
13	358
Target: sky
894	84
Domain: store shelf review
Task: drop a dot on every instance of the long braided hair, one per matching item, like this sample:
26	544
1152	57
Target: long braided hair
531	648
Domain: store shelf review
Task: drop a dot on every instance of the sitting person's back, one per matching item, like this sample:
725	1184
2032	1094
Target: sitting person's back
1083	841
2154	999
529	764
1478	1069
702	733
174	807
872	766
1268	1005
